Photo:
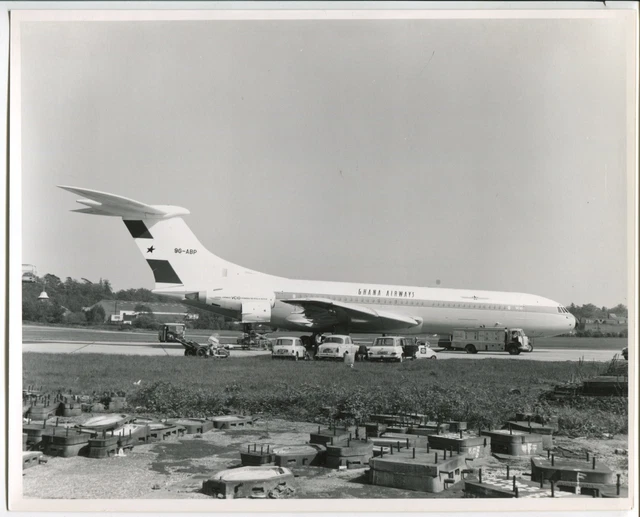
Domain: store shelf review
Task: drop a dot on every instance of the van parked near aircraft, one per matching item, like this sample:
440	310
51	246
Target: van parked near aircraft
388	348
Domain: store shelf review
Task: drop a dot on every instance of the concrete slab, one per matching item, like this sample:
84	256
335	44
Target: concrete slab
419	471
231	421
533	427
330	436
292	456
514	443
249	482
193	425
107	422
561	469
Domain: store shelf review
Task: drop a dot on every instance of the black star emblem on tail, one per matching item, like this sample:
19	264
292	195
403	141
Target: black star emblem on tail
150	250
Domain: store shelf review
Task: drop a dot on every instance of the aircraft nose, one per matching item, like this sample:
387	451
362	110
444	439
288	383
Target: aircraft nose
573	323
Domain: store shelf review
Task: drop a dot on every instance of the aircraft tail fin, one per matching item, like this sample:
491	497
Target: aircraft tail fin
178	260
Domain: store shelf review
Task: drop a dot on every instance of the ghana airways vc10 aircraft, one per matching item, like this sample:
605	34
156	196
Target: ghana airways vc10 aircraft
185	269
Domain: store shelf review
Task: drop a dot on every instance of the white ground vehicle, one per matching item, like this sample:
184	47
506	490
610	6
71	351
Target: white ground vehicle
388	348
288	348
477	340
425	352
336	347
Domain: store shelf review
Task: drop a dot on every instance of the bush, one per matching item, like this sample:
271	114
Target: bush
76	318
145	322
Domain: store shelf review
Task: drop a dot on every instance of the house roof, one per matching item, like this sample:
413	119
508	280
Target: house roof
111	306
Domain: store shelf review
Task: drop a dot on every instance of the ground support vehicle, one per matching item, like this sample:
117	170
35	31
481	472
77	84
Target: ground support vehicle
424	351
191	348
170	331
336	347
288	348
475	340
388	348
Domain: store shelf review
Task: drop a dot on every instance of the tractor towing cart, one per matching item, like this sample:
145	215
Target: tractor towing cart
191	348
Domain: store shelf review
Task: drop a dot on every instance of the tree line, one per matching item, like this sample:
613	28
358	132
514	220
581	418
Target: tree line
68	298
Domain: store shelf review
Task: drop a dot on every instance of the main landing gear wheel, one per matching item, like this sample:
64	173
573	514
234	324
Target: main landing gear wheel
471	349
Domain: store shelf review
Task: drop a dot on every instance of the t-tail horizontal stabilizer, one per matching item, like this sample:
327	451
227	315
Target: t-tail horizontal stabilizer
102	203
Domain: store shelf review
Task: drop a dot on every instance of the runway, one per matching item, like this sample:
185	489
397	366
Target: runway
171	349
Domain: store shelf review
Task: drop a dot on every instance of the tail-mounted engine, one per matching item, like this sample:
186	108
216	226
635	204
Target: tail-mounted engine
250	306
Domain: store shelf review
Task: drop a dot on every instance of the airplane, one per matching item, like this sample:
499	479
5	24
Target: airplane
183	268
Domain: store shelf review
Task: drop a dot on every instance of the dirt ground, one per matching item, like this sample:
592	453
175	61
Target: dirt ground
175	469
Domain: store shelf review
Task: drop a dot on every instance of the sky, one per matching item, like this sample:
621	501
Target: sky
481	154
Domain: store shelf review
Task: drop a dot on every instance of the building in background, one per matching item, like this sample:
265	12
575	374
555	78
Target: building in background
120	311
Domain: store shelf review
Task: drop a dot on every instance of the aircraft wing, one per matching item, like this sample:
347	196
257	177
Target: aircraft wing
317	312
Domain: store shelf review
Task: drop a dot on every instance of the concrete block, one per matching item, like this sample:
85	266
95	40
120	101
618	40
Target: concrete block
159	431
108	451
429	429
69	409
117	403
41	412
349	462
330	436
426	472
249	482
107	422
605	385
514	443
31	459
384	418
469	446
456	426
193	425
356	454
352	448
66	451
404	440
533	427
375	428
572	470
424	464
231	421
34	434
254	455
292	456
134	432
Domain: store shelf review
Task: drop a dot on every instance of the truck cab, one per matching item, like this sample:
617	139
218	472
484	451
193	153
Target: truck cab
167	332
388	348
336	347
288	348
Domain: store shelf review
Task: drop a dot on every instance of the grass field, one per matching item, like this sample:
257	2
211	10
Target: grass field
480	392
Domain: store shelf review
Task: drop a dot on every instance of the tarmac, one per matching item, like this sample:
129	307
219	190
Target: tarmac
172	349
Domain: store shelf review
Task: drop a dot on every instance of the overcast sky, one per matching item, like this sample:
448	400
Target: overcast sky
483	154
